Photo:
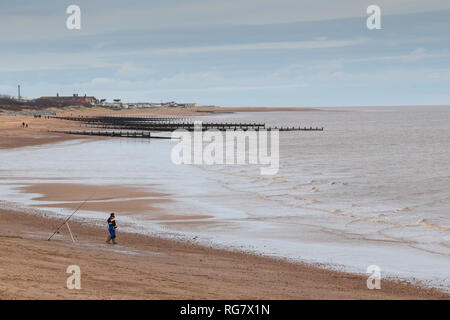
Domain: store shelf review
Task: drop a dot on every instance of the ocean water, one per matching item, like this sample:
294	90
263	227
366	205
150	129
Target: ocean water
372	189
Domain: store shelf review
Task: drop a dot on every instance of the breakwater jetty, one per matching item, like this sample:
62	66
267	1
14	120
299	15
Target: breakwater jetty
169	124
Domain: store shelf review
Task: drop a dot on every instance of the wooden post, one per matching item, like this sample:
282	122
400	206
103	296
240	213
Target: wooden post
70	231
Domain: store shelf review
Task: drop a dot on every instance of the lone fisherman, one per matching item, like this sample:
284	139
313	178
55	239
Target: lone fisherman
112	229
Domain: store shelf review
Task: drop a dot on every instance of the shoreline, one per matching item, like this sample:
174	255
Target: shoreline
145	267
301	281
68	196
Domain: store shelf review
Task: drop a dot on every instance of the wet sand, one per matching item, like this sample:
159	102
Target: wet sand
81	192
126	199
142	202
12	135
142	267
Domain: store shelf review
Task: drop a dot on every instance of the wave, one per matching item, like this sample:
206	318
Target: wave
426	223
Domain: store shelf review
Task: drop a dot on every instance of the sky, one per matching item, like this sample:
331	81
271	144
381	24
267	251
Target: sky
287	53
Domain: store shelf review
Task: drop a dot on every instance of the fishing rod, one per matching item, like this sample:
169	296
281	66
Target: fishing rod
67	220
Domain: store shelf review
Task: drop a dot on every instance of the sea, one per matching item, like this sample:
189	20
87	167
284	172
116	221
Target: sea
372	189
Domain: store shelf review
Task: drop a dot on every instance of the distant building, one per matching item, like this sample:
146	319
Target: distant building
91	100
187	105
171	104
143	105
75	99
117	103
148	105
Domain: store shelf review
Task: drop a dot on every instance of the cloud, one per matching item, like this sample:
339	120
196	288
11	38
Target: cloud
44	61
282	45
208	49
417	54
45	19
230	88
6	88
132	70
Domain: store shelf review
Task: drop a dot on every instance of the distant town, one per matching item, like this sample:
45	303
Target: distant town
116	103
59	101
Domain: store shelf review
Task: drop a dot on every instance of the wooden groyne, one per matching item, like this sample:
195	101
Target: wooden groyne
118	120
169	124
122	134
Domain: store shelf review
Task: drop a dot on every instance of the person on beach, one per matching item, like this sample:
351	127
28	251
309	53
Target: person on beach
112	229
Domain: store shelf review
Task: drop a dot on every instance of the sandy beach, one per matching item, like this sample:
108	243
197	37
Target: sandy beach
142	267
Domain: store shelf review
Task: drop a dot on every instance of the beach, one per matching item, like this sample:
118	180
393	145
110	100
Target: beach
145	266
142	267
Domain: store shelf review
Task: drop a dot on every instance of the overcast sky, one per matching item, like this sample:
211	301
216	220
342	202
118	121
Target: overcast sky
230	53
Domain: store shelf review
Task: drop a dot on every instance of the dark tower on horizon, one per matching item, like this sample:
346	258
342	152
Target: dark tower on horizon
18	92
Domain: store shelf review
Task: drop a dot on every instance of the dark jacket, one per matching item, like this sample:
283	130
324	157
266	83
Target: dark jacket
112	223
